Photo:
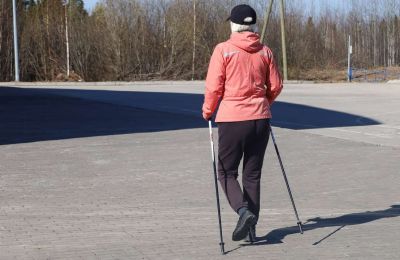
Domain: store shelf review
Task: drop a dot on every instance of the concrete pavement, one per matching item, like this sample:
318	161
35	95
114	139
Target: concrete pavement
124	172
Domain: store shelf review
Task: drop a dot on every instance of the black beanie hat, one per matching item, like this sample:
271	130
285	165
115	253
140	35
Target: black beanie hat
243	14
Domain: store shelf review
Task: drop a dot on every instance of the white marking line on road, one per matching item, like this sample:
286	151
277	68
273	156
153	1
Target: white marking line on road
363	133
389	127
337	129
386	113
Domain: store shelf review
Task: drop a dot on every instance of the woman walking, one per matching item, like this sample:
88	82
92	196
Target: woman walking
244	80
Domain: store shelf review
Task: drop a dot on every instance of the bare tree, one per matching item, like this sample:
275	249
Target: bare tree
173	39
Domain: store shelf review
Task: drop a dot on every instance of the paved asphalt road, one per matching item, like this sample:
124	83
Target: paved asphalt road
123	171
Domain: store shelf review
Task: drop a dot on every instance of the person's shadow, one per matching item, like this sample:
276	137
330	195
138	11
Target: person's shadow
277	235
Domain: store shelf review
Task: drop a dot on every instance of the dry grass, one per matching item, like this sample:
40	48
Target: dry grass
337	75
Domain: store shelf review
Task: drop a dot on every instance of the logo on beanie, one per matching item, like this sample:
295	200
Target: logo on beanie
248	19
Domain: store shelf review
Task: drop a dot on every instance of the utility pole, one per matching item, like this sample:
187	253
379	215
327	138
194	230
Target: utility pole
194	37
283	35
266	20
282	9
66	34
16	57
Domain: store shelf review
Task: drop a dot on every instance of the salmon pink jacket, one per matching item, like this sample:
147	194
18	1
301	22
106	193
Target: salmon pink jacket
243	78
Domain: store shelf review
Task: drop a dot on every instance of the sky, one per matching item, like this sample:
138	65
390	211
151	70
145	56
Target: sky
89	4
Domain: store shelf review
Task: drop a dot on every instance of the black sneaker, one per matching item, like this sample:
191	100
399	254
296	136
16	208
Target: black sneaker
246	220
251	236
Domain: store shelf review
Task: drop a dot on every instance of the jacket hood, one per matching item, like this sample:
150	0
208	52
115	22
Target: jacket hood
247	41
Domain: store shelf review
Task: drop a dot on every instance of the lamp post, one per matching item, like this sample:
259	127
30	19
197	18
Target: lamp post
349	52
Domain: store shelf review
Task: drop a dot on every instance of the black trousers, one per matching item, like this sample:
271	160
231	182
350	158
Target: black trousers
237	140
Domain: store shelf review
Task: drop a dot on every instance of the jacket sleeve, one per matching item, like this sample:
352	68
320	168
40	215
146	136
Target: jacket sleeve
273	81
215	83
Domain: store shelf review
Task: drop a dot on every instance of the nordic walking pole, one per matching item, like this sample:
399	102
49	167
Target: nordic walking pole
286	180
216	188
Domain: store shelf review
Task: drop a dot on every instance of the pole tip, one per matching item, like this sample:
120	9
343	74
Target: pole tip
300	227
222	248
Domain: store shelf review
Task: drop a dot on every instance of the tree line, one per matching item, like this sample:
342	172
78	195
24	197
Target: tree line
173	39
